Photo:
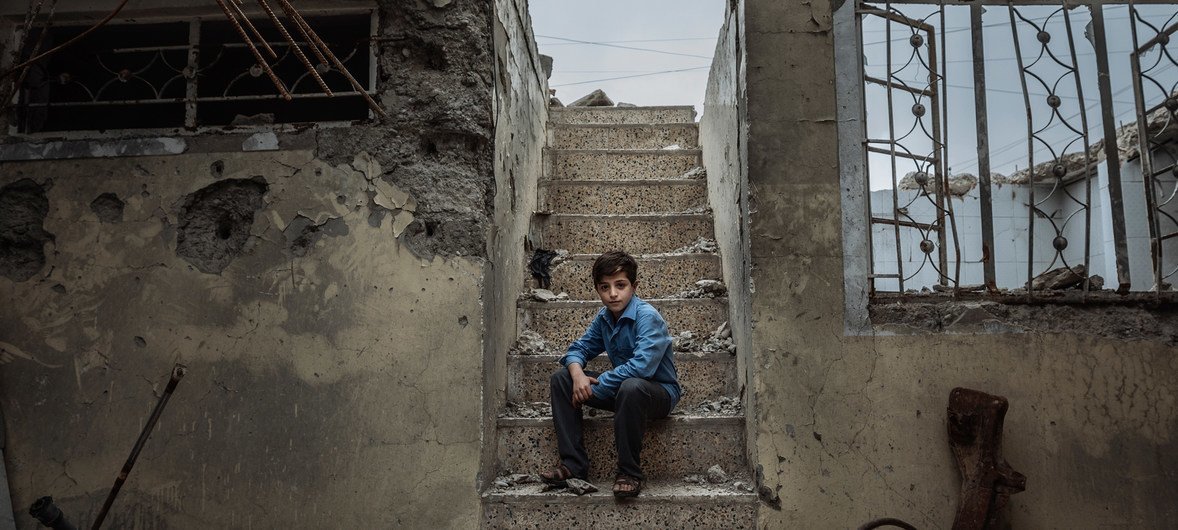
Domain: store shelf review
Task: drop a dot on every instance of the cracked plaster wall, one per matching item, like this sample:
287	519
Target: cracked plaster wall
521	117
852	428
330	360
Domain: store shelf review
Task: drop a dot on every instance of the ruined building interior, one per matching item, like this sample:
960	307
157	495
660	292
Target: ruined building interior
320	257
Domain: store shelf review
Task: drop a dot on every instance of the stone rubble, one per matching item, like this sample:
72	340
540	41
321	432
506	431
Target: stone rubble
702	245
716	475
580	487
725	405
623	104
1061	278
545	295
705	289
597	98
516	479
532	409
719	341
695	173
529	343
562	256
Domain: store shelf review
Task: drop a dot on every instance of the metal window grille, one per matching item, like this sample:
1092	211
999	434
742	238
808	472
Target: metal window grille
190	74
1083	184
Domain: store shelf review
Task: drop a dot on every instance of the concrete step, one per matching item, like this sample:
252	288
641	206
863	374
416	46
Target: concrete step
580	115
703	376
636	234
619	164
560	323
669	504
625	197
659	276
624	136
672	448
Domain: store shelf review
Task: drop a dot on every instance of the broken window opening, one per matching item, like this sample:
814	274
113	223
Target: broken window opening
959	101
191	75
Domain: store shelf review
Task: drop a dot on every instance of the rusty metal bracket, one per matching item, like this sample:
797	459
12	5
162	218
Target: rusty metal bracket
987	480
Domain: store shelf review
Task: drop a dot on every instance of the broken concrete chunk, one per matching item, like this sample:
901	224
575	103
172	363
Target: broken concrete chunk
597	98
695	173
1060	278
626	105
723	332
529	343
695	479
712	287
1095	282
545	295
580	487
743	486
716	475
701	245
555	102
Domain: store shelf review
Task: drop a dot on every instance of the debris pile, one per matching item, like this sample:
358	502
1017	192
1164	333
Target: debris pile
695	173
515	479
725	405
719	341
1065	278
545	295
705	289
702	245
529	343
716	475
531	409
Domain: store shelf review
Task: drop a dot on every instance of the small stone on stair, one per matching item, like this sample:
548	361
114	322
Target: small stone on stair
597	98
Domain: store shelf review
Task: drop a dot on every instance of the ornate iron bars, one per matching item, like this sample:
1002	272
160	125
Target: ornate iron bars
192	74
1065	214
1157	139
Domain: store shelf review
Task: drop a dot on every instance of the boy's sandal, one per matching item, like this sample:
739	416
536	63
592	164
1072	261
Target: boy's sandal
627	486
557	476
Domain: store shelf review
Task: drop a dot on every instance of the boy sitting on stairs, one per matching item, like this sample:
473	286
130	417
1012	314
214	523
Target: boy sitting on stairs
643	383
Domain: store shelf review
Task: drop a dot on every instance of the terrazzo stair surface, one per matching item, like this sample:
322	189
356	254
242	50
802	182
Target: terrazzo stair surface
639	115
659	276
703	376
675	446
625	136
619	164
626	197
670	504
609	184
636	234
562	322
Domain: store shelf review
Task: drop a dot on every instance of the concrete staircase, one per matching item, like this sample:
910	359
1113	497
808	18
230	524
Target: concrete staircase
611	184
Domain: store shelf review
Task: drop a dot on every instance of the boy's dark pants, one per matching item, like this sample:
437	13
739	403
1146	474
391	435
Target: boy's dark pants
637	400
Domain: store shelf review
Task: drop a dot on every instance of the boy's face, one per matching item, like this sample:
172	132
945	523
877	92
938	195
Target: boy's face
615	291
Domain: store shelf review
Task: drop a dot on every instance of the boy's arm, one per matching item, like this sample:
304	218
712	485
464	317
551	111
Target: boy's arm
587	347
652	342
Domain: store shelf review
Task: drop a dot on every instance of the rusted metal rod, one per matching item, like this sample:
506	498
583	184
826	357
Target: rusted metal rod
295	47
178	372
312	37
257	55
253	29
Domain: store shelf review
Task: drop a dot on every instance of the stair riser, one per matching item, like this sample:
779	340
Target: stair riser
613	165
625	137
675	197
580	115
590	235
702	378
561	324
669	449
657	277
541	515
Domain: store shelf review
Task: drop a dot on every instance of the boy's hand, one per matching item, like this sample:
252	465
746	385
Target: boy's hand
582	389
582	385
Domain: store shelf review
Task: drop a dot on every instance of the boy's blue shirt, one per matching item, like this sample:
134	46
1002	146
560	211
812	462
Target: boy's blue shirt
638	345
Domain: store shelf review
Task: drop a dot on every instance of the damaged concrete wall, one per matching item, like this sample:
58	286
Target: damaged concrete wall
722	138
327	296
851	428
521	116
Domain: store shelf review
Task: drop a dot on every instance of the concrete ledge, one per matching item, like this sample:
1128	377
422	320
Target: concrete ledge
703	376
673	447
662	504
560	323
624	136
636	234
619	164
658	277
648	115
665	196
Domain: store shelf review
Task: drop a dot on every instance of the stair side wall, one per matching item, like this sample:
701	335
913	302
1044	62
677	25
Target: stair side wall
851	428
521	115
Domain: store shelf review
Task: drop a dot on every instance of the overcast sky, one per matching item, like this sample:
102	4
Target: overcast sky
685	31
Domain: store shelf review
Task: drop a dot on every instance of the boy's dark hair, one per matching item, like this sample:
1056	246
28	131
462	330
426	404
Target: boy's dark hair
614	262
